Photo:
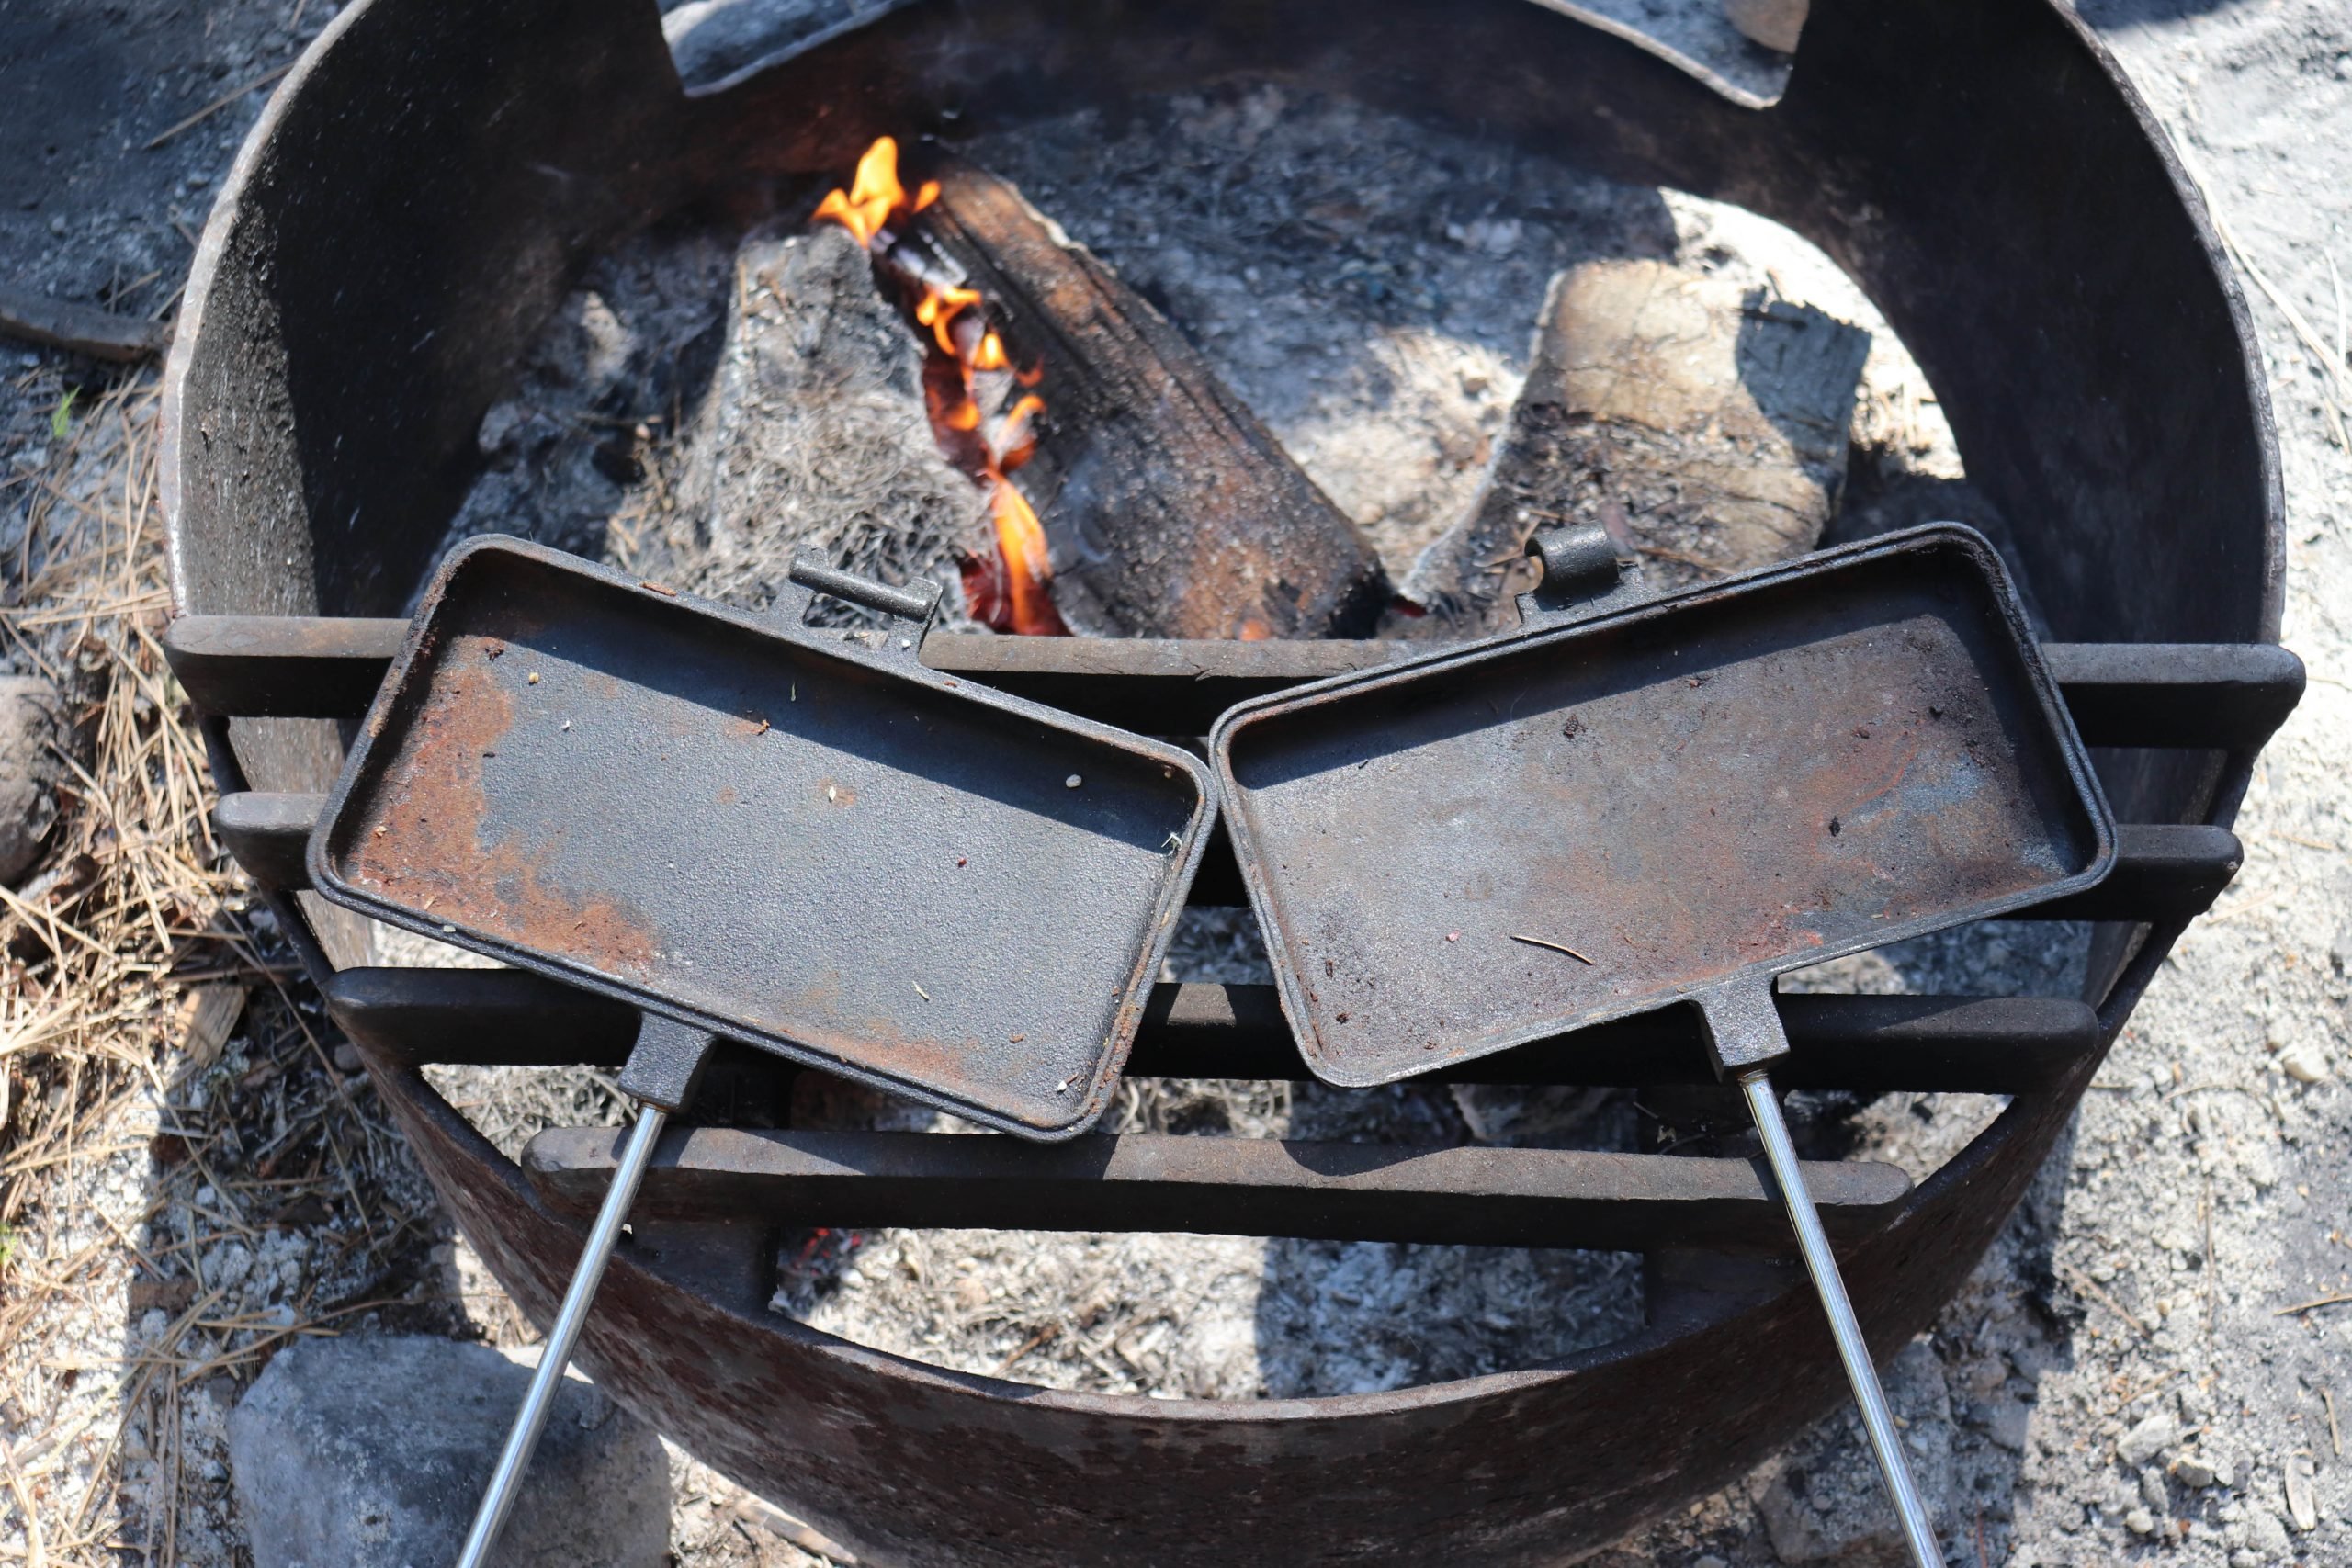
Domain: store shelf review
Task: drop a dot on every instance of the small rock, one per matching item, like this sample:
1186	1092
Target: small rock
347	1057
2304	1063
2194	1471
1775	24
370	1451
2009	1424
2138	1521
2146	1440
2151	1490
32	723
1495	236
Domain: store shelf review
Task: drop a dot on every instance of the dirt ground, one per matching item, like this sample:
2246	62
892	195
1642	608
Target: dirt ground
2131	1374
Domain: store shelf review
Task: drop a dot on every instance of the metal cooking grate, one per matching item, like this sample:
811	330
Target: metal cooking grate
2226	697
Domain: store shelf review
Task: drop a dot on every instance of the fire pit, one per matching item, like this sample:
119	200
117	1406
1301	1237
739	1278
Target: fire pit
354	313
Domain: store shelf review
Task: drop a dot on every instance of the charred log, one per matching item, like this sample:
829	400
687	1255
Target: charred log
1704	426
1169	510
815	434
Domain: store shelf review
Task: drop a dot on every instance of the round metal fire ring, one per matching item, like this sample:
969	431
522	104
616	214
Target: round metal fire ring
429	179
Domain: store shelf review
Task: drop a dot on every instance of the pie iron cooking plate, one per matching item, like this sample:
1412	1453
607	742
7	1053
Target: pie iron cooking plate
1693	794
1675	802
799	838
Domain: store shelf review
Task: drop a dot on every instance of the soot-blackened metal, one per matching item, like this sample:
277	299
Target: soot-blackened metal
723	818
1488	847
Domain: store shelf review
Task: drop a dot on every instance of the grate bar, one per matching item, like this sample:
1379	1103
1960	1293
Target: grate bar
2226	695
269	834
1963	1045
282	666
2162	870
1474	1196
2179	694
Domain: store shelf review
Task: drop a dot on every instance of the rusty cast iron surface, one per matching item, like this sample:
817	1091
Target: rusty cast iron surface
1490	847
795	837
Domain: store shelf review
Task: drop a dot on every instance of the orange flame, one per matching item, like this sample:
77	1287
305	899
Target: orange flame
1016	443
942	306
874	193
1015	592
1021	541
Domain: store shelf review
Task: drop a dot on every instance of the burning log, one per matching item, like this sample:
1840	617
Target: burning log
1704	425
1169	510
815	433
964	362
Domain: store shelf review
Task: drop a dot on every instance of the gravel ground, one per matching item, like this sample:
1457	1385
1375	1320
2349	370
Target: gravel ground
2125	1377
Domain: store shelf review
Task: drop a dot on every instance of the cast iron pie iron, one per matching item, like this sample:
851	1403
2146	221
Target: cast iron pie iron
797	838
1660	801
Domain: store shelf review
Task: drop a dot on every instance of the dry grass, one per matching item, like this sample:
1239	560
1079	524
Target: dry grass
132	896
154	1154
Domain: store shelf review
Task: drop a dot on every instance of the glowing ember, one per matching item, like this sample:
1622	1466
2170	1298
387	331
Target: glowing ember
1014	591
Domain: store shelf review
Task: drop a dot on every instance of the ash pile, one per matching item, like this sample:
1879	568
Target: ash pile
1247	365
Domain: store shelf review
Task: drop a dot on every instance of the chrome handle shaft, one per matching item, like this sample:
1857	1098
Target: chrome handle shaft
498	1501
1878	1421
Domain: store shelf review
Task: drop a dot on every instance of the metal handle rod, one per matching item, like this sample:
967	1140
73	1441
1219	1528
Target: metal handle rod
498	1500
1878	1421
